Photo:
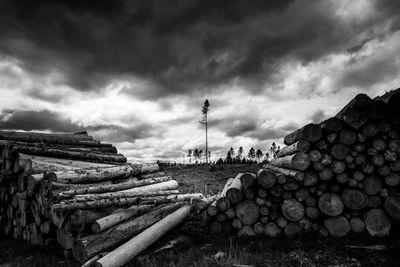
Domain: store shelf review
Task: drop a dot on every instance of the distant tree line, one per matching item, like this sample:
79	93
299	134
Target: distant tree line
232	157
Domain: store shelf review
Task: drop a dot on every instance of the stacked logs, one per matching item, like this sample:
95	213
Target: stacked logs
80	193
334	177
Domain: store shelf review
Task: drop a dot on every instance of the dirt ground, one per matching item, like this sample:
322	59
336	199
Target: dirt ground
198	248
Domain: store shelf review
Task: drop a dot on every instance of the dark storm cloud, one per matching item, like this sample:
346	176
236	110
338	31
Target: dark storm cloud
249	126
46	120
178	46
116	133
36	120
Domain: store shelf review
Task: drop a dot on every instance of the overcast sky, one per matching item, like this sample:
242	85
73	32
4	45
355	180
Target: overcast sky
136	73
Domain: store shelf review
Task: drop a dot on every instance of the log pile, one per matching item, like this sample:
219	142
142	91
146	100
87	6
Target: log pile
334	177
79	192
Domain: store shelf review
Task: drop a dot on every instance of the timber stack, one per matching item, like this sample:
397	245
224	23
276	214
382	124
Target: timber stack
79	192
334	177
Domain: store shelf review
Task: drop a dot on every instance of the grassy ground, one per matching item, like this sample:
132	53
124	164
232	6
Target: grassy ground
201	249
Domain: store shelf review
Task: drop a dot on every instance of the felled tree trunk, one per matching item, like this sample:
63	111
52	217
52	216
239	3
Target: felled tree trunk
133	247
89	246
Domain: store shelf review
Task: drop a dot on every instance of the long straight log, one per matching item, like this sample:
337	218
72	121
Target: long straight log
297	175
41	164
91	176
299	146
115	218
59	153
167	185
121	202
136	245
298	161
116	195
101	188
89	246
311	133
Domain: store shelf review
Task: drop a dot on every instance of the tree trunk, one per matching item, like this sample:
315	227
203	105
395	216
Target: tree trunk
234	191
115	218
59	153
91	176
133	247
311	133
299	146
89	246
117	195
110	187
297	175
70	205
298	161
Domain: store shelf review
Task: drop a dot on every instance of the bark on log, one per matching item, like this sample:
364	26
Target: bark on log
297	175
117	195
111	187
115	218
332	125
299	146
163	186
311	133
89	246
59	153
66	206
298	161
133	247
91	176
234	190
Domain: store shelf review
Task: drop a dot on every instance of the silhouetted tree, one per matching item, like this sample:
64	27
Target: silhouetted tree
228	158
244	160
274	150
240	153
259	154
220	161
189	154
204	111
252	154
196	155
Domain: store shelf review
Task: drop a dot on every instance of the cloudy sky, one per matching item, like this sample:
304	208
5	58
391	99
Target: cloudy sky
136	73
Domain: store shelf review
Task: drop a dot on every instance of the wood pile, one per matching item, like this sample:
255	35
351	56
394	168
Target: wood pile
79	192
334	177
